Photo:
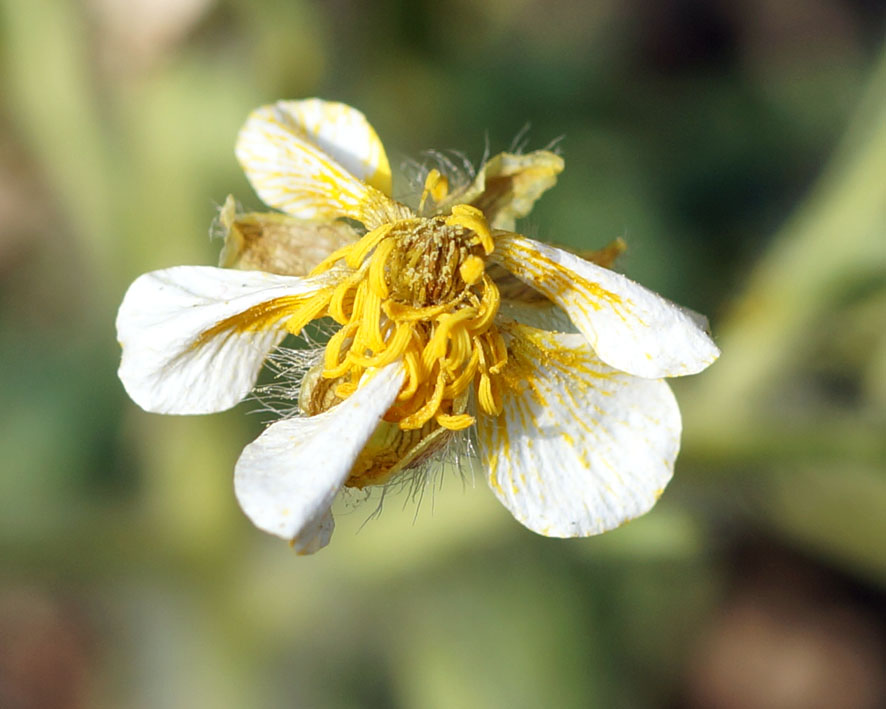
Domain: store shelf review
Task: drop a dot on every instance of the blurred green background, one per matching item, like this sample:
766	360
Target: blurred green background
739	148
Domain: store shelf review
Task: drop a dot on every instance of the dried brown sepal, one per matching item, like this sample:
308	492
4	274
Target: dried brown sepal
507	186
604	257
277	243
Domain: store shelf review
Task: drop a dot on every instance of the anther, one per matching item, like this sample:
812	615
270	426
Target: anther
470	217
471	269
436	187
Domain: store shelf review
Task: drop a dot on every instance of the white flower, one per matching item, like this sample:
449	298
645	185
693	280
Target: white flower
560	372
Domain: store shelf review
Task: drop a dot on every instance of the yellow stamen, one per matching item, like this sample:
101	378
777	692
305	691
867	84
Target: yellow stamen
471	269
436	348
436	187
343	297
460	383
426	412
401	313
417	292
395	349
457	422
472	218
332	360
414	375
311	310
489	307
488	397
498	351
331	260
345	389
377	268
459	351
370	330
358	251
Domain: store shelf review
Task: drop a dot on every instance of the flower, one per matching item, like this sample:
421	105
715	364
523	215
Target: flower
446	320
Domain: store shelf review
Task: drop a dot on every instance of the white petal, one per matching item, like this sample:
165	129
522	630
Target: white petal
544	316
580	447
287	478
630	328
344	134
316	536
316	160
176	359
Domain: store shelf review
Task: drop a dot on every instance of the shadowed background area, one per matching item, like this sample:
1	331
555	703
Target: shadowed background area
740	150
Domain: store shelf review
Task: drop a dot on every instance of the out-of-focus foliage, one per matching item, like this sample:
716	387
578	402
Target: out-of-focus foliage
739	148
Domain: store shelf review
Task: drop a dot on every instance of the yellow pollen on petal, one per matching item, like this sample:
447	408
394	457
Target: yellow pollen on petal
262	316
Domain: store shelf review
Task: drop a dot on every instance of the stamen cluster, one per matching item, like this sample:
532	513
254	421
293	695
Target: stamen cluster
416	291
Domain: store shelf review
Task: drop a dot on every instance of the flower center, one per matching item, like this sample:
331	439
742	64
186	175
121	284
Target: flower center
423	268
417	291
